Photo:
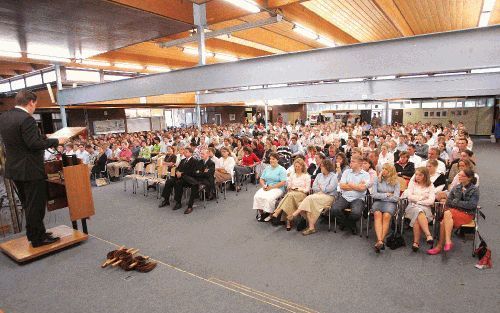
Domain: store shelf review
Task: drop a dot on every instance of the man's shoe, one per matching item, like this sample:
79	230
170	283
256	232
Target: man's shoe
50	235
177	207
165	202
44	241
188	210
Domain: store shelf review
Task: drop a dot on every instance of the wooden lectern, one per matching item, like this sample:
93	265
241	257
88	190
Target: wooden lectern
68	185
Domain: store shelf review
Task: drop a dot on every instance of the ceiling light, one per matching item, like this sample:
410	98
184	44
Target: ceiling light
158	68
488	5
385	77
47	58
225	57
486	70
450	74
305	32
9	54
484	19
248	5
249	43
130	66
190	51
349	80
326	42
414	76
95	62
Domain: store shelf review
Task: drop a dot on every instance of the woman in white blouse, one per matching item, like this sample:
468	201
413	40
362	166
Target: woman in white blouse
225	168
298	186
384	157
421	196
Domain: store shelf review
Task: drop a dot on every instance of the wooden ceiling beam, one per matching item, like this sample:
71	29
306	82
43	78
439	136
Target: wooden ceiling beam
180	10
145	59
15	66
274	4
300	14
391	10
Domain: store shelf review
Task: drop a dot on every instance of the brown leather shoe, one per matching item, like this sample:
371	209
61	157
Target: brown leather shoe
188	210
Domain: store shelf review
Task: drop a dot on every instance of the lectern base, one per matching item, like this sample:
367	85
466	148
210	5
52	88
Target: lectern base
21	250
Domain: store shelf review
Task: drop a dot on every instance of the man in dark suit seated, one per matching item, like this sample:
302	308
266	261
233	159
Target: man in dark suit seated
206	174
185	175
25	147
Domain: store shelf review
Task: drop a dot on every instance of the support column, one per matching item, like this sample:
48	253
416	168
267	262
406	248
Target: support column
62	109
266	112
200	20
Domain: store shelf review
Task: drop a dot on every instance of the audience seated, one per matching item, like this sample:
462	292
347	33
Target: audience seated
385	196
350	204
273	182
461	206
121	161
297	187
421	196
324	191
245	166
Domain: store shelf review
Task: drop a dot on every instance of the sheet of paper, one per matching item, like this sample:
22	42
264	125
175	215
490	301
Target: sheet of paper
67	132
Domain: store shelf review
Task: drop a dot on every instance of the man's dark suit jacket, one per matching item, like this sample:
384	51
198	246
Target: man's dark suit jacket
24	146
188	170
209	176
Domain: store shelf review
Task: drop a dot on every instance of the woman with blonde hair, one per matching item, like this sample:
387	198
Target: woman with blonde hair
421	196
298	186
325	190
385	195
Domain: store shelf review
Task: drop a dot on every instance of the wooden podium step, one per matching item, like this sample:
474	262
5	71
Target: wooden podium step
21	250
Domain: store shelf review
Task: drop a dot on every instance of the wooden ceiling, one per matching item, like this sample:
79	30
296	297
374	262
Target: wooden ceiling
342	21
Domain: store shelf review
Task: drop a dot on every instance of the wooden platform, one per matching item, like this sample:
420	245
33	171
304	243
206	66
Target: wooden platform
21	250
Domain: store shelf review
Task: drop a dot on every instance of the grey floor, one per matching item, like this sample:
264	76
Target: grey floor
273	270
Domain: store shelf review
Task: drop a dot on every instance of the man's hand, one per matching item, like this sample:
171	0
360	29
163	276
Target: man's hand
62	140
178	174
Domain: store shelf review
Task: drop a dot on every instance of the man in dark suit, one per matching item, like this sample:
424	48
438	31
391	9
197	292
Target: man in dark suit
206	173
184	177
25	147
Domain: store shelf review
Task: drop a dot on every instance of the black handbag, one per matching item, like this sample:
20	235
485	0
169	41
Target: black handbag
395	240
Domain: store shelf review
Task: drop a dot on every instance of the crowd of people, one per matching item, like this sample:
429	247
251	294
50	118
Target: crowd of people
306	170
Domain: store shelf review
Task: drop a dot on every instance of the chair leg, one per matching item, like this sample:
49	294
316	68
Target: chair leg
335	224
367	224
361	226
329	219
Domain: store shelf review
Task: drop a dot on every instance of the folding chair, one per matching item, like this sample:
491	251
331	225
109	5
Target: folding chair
474	226
149	175
360	219
160	180
138	172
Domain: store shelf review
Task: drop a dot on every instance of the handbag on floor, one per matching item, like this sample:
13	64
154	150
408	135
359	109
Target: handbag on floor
395	240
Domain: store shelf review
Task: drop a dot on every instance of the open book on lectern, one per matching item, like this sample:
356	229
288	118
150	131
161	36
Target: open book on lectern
67	132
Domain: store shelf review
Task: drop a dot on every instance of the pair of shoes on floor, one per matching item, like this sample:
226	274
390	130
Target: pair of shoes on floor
262	217
165	202
308	231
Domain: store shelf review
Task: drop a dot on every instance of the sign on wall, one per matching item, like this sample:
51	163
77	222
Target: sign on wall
109	127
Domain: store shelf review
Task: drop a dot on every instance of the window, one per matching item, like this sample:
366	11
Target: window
4	87
470	103
17	84
130	113
143	113
429	105
449	104
114	77
49	77
34	80
411	105
83	76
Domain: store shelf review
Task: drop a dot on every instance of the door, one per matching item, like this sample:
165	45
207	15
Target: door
366	116
218	119
397	116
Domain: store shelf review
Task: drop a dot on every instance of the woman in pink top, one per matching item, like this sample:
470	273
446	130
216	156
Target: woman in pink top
421	196
245	166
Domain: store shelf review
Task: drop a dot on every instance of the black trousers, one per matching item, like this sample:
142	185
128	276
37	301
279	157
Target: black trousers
33	196
169	185
179	187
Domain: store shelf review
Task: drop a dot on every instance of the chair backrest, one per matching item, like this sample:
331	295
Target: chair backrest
150	168
160	161
139	167
403	184
163	171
